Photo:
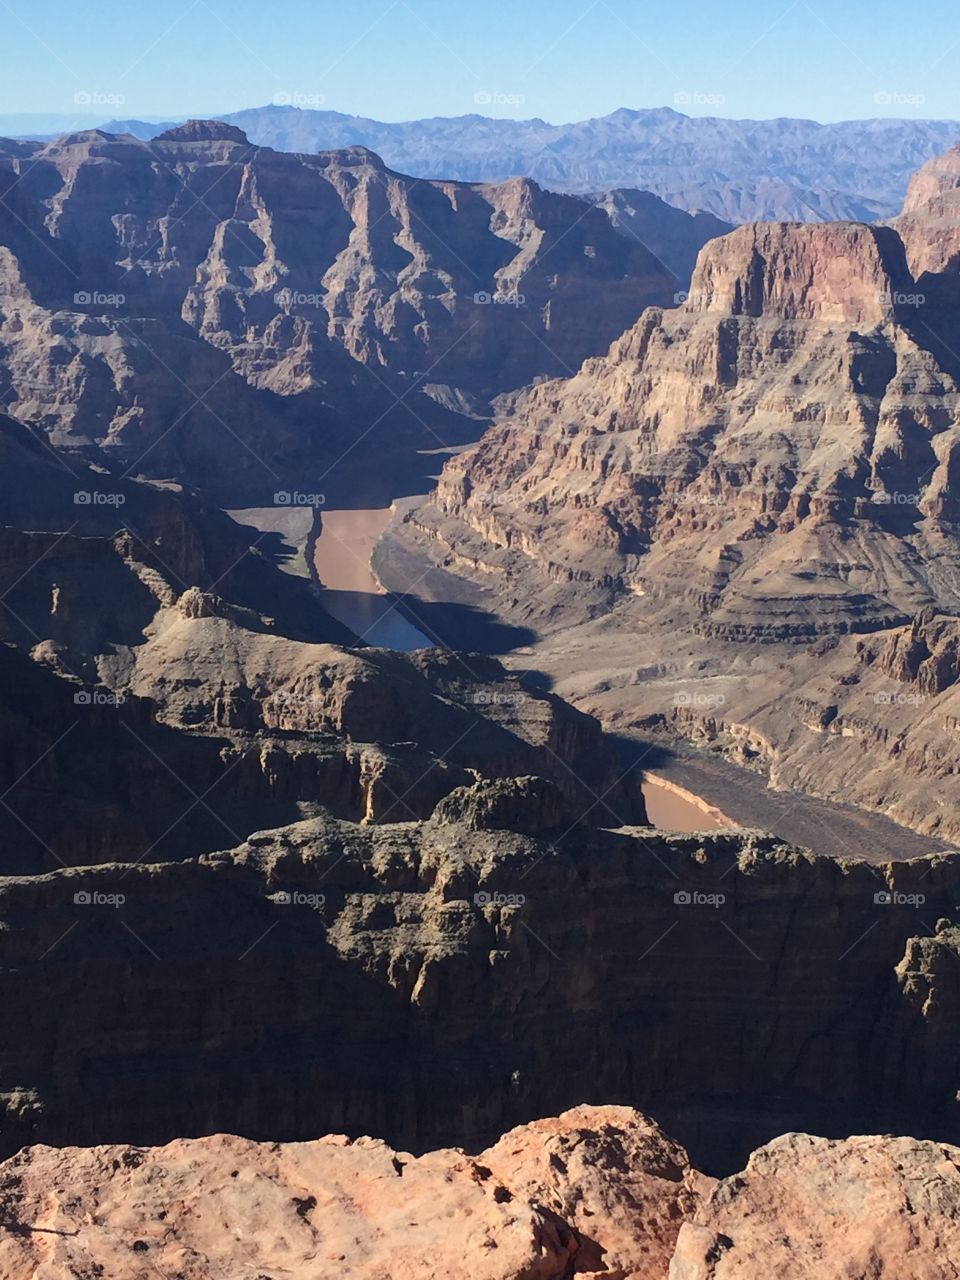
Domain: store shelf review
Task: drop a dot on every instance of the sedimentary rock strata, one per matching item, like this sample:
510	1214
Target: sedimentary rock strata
410	978
261	879
929	223
765	471
174	304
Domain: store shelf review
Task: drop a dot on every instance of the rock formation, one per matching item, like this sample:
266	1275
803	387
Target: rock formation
673	235
596	1192
151	649
929	223
409	977
259	878
336	889
807	1208
200	307
600	1189
770	467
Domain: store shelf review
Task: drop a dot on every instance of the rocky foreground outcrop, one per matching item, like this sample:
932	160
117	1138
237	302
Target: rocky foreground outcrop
810	1209
768	472
249	320
597	1192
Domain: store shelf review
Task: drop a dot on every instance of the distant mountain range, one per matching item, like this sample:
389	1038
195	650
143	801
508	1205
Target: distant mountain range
739	170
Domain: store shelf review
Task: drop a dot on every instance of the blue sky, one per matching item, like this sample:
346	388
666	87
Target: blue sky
563	60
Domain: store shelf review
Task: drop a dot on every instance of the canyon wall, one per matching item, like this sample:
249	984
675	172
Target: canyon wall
719	528
200	307
409	979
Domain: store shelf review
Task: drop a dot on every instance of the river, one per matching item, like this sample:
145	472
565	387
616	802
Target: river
355	597
671	808
352	592
683	802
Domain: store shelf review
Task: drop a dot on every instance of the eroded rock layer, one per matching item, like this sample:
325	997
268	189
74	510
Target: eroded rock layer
725	502
929	223
241	318
410	977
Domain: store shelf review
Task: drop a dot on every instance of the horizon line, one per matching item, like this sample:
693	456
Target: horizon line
174	117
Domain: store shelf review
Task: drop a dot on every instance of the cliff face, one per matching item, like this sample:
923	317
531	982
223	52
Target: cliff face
409	978
786	415
212	731
673	235
135	696
773	464
164	302
929	223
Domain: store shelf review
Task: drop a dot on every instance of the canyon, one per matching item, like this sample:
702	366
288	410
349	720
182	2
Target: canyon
767	474
331	310
401	976
342	927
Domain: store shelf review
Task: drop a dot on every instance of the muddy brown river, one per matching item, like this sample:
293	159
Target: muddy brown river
672	809
353	594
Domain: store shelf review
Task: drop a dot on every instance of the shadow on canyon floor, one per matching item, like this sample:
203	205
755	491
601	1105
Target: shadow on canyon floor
383	620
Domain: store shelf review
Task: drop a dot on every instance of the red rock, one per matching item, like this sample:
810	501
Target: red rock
600	1188
627	1212
814	1209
